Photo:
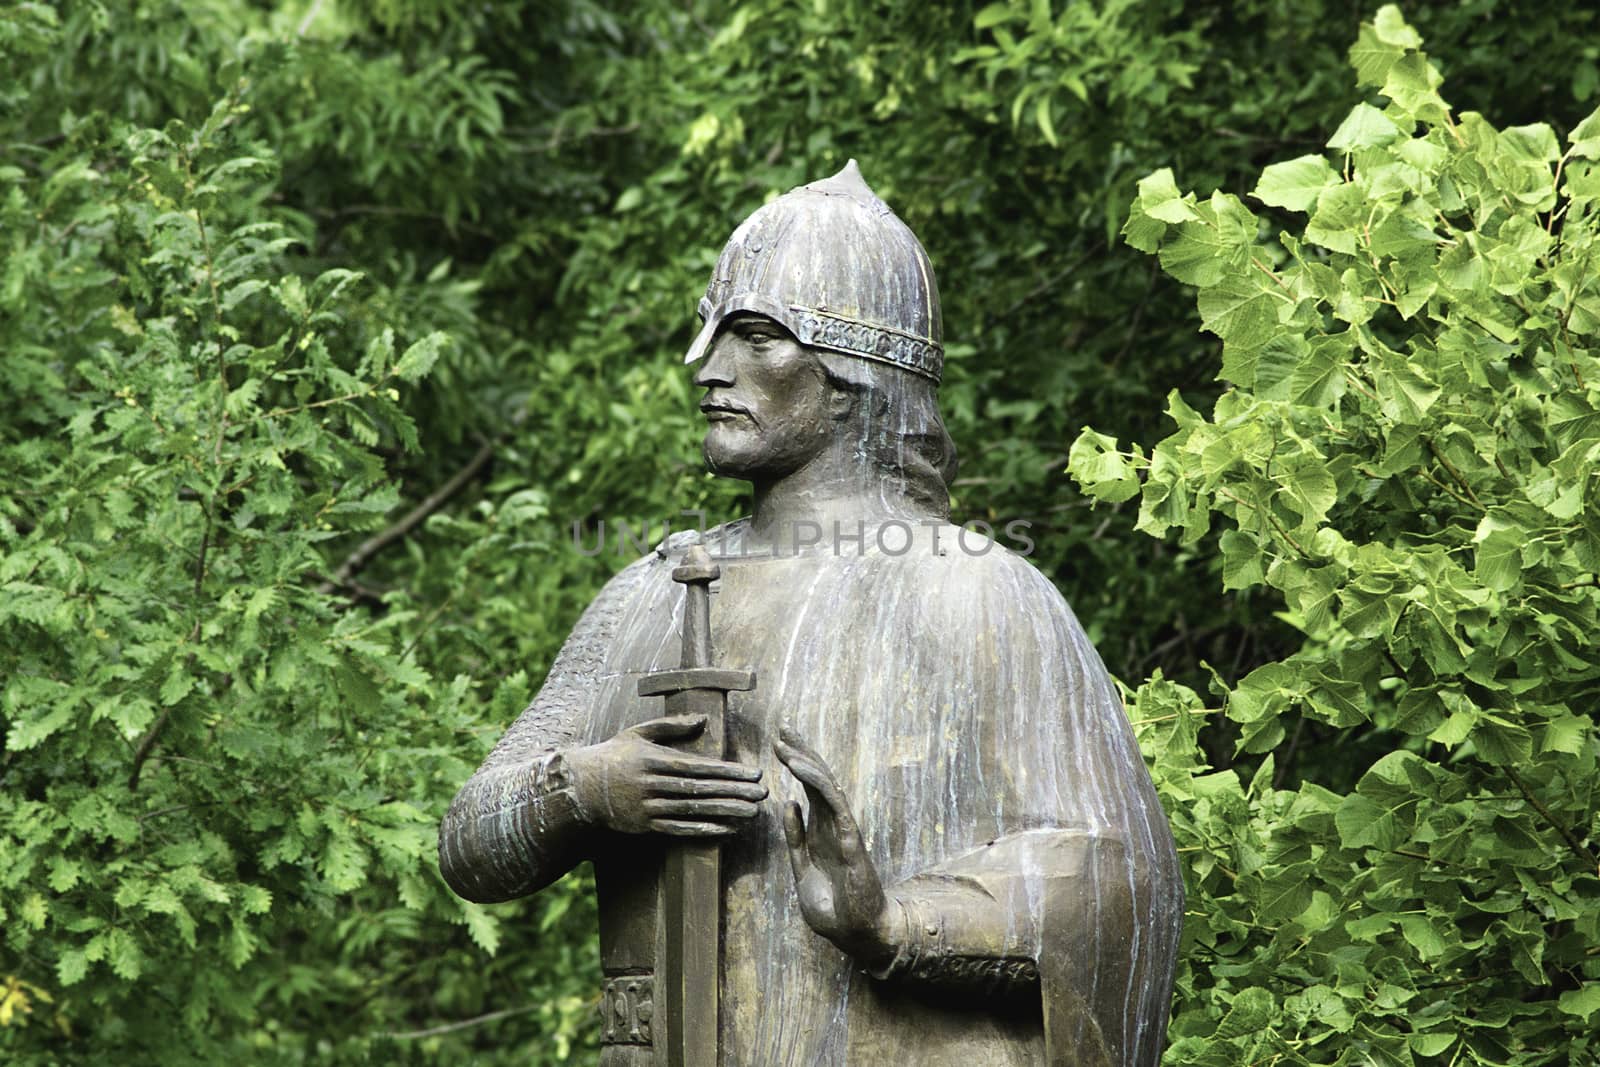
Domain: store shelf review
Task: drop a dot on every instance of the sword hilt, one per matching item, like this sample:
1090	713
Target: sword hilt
696	573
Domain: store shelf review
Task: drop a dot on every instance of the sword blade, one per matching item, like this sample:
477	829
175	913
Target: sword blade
688	983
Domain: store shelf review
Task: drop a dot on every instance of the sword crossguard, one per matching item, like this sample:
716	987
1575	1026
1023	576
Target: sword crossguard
665	683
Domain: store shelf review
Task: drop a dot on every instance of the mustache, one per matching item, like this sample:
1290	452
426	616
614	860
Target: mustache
710	404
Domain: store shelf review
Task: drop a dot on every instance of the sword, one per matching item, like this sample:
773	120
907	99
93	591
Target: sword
687	984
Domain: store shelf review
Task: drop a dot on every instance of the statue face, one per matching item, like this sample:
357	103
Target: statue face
766	402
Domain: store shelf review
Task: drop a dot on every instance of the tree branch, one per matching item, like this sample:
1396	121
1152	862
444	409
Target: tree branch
410	521
478	1020
142	753
1439	455
1566	835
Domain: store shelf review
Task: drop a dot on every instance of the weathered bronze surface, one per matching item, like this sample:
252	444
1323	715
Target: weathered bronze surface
1010	894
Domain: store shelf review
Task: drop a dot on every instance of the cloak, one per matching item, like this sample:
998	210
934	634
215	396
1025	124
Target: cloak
985	754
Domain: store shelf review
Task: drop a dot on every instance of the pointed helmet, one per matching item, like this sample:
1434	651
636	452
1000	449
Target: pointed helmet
839	270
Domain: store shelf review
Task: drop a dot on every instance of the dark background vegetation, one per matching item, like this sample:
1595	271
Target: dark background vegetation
240	687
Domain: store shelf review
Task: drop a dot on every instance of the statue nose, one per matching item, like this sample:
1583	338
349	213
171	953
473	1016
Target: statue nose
716	368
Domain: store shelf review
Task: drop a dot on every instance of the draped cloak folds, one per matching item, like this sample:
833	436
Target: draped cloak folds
984	752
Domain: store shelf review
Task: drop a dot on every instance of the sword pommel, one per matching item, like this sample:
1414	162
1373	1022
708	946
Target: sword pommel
696	567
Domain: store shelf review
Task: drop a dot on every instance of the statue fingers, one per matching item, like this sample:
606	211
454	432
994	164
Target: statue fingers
670	728
682	764
788	736
688	828
669	785
794	832
820	808
698	809
816	777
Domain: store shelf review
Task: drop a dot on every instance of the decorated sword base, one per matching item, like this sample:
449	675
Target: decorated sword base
686	1027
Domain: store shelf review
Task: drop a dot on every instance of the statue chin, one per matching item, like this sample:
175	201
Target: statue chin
730	453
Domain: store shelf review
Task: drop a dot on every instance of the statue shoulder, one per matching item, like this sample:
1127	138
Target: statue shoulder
667	553
646	574
727	538
985	576
989	557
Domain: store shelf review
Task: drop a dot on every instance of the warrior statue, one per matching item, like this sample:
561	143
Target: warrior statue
962	859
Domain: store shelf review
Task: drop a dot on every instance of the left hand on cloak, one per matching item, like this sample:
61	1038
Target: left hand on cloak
841	896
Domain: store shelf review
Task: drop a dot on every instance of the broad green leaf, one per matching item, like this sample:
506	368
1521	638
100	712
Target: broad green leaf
1501	741
1404	395
1362	823
1412	83
1422	935
1296	184
1372	58
1499	552
1456	728
1582	1002
1308	488
1286	896
1585	137
1319	380
1248	1012
1195	254
1239	310
1102	471
1535	144
1567	733
1433	1044
1364	127
1341	213
1160	199
1392	29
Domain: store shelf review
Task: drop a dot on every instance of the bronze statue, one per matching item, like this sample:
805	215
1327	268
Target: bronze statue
962	860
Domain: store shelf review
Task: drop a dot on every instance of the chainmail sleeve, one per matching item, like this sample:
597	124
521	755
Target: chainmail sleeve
515	827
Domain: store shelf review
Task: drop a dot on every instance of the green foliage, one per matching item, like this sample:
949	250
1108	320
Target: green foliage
1405	457
205	755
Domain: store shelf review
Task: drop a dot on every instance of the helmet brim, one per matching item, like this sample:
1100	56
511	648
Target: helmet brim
753	303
